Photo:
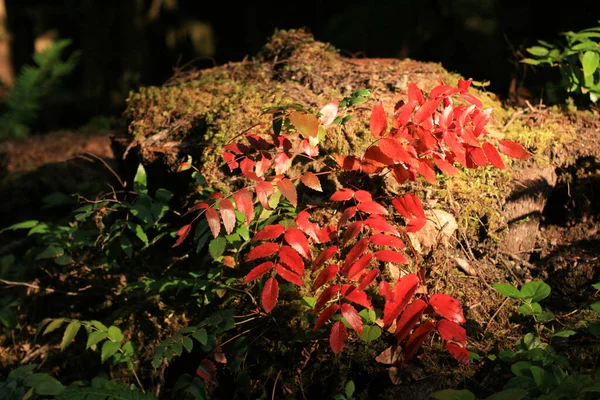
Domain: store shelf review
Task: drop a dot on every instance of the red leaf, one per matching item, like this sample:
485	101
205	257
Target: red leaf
404	113
442	91
338	336
212	216
182	234
311	180
288	190
325	256
426	170
451	331
325	296
291	259
352	231
377	223
368	279
326	275
459	353
444	165
448	307
513	150
288	275
362	196
351	316
295	238
409	319
309	228
415	94
269	294
306	124
227	215
398	298
393	149
378	122
310	151
263	191
236	148
416	340
472	99
410	207
359	266
262	165
262	250
343	194
283	162
377	158
206	370
356	296
492	154
391	256
356	251
346	215
386	240
426	110
328	113
349	163
258	271
244	203
478	156
326	315
269	232
372	207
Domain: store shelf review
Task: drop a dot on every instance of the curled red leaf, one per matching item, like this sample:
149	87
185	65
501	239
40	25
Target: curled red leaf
326	315
378	121
244	203
415	340
182	234
409	319
459	353
351	316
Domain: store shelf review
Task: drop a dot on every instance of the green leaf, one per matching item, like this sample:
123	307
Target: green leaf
566	333
95	338
594	330
139	232
243	231
99	325
140	183
126	246
201	336
538	374
545	317
63	260
115	334
54	325
163	195
50	252
188	344
509	394
310	302
109	349
43	384
508	290
127	349
216	247
530	61
596	286
530	309
368	315
453	394
370	333
535	291
590	61
538	51
596	306
69	334
349	389
21	225
520	367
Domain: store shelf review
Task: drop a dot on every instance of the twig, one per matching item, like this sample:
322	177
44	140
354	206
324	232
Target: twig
512	119
275	385
106	165
496	313
32	286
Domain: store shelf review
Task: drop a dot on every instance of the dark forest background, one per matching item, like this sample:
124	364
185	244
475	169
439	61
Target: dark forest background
128	43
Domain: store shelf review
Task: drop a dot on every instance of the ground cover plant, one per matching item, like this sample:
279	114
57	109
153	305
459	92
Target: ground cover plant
300	244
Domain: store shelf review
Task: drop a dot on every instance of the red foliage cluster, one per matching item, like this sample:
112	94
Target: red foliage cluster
425	133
